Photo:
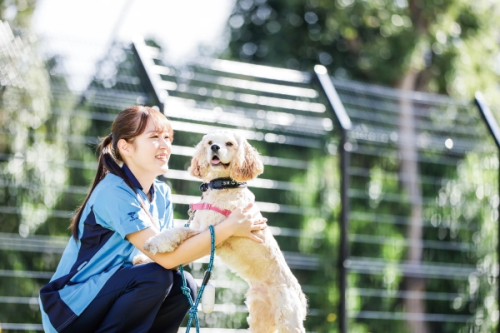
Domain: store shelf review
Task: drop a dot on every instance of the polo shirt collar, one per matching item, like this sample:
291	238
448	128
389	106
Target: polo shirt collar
134	180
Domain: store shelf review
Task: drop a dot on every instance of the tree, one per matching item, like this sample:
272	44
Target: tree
33	152
33	140
440	46
17	12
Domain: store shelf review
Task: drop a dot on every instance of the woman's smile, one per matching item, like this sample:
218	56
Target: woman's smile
162	157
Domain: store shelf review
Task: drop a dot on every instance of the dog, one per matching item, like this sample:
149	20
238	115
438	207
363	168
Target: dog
274	299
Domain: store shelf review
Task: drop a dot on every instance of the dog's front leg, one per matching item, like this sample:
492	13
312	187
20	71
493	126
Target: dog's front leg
141	259
168	240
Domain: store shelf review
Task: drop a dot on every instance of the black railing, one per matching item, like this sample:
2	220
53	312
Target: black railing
495	133
285	114
447	130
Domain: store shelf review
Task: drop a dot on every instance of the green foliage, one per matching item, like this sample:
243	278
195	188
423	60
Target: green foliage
320	236
450	44
473	199
17	12
36	141
34	152
440	46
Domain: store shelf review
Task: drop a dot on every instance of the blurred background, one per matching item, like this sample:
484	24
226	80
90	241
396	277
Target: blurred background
376	122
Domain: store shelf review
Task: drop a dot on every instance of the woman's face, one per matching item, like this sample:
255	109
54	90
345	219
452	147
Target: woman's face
150	151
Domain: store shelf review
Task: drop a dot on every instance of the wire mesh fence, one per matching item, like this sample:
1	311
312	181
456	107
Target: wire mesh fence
283	116
275	109
422	190
422	212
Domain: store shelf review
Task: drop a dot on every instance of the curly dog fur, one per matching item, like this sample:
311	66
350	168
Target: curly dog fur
275	300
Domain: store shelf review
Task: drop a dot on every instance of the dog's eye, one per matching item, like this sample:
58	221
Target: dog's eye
229	144
209	142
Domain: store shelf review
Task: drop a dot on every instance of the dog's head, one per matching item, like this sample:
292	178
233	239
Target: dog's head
225	154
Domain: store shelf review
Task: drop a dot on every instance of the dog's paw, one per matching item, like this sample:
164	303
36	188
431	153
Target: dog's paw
156	245
141	259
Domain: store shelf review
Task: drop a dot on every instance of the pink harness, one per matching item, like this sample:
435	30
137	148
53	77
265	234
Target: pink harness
207	206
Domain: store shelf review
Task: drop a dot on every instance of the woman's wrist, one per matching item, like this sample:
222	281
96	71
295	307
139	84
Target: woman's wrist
224	230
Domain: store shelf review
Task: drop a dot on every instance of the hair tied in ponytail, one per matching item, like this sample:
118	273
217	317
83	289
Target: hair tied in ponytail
106	150
127	125
113	142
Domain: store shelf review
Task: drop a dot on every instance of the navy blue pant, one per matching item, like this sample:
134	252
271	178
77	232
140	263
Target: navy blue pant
142	298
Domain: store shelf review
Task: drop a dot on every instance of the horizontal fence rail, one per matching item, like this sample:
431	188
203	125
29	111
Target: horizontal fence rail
412	216
279	111
430	189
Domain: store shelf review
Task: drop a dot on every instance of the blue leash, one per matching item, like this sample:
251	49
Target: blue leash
193	311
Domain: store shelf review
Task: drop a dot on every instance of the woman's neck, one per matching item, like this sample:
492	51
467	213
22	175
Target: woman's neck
144	178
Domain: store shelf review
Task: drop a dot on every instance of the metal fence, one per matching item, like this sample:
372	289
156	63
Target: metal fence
420	200
277	110
280	112
398	170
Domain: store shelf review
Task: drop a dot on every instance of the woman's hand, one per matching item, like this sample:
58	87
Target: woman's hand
244	221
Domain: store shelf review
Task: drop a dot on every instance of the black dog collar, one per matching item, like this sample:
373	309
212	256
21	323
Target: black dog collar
220	184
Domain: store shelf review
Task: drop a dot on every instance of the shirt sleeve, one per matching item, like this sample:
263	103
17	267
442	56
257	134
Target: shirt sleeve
121	211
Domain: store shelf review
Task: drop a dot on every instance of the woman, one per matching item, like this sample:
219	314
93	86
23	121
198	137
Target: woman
95	287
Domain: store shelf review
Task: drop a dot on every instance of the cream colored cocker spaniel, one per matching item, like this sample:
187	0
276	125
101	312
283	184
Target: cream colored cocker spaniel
275	300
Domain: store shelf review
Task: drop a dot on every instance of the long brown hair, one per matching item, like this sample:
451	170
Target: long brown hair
129	123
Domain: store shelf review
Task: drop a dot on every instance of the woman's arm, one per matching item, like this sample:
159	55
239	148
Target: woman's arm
241	223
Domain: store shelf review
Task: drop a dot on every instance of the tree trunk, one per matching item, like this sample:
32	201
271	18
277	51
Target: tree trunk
410	180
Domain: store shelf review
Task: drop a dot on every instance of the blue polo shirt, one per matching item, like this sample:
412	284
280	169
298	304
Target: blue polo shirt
112	212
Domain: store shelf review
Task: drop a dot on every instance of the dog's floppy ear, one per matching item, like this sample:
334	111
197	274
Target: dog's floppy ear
199	164
246	164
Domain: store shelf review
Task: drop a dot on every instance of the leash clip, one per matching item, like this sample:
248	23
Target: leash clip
191	216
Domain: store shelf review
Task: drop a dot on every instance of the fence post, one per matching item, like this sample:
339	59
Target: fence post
147	64
492	125
345	124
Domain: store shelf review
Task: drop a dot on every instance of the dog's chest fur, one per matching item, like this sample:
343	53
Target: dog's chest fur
241	254
229	199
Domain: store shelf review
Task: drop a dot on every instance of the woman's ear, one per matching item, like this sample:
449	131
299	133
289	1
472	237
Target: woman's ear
246	164
124	148
199	164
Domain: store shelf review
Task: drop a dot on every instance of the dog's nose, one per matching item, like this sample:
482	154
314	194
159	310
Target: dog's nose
215	148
